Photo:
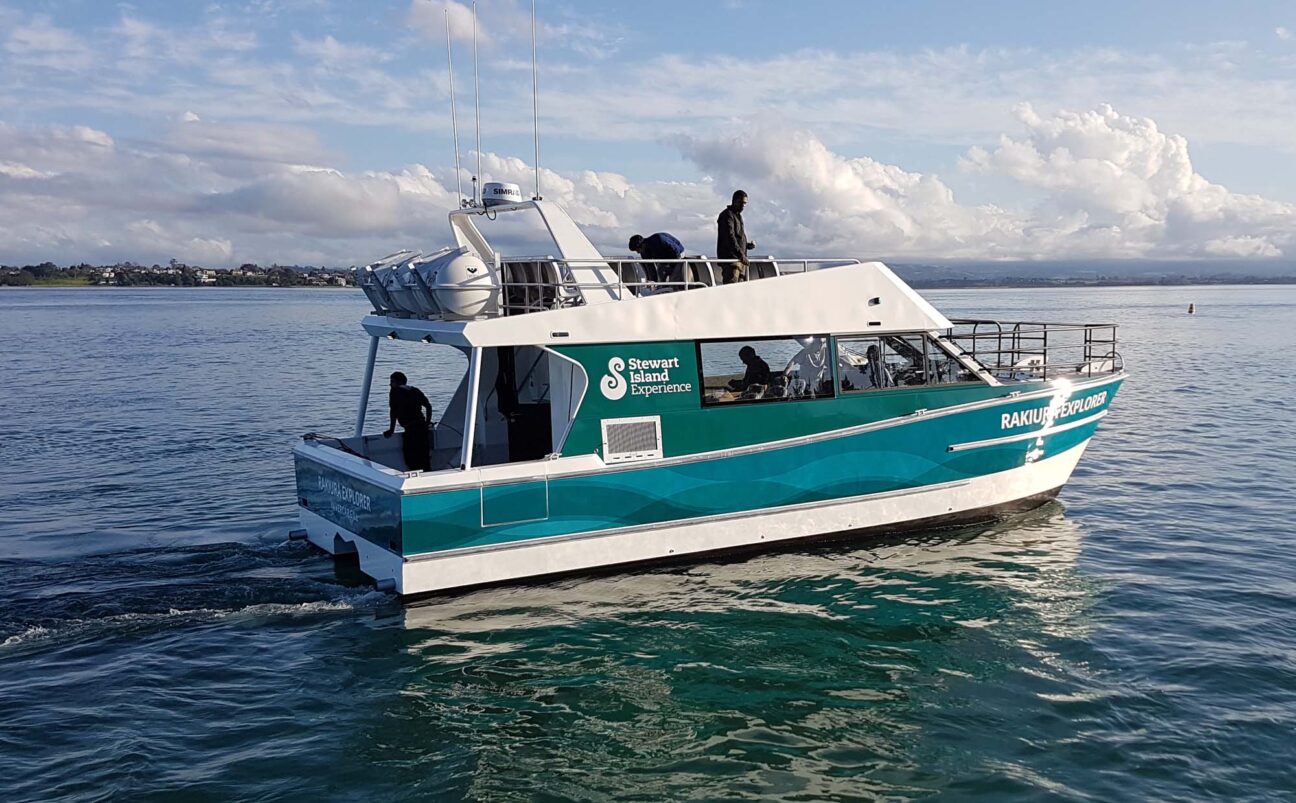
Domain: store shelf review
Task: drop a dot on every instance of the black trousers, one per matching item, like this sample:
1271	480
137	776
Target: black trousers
416	450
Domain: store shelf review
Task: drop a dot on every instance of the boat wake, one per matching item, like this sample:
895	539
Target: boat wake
152	590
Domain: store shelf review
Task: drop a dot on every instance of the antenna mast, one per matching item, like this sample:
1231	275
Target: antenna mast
535	99
454	122
477	102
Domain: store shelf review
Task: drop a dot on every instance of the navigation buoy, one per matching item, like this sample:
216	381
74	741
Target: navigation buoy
1192	309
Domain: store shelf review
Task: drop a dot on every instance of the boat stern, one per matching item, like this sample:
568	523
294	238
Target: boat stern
345	515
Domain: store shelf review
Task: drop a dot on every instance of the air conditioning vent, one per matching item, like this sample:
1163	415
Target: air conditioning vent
628	439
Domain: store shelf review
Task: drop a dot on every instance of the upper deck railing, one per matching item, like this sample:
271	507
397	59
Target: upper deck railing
533	284
1031	350
525	284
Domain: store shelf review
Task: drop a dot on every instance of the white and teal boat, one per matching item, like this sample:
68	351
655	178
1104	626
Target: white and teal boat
604	421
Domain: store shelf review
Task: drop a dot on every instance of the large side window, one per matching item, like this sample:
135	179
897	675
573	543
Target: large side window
895	361
765	369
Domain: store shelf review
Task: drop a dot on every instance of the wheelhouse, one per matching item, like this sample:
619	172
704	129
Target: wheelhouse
519	403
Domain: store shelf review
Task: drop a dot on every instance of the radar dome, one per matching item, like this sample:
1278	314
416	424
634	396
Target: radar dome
497	193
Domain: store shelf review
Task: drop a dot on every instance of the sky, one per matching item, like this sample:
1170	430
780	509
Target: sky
318	131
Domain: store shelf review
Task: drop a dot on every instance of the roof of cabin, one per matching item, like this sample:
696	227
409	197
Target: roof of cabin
858	297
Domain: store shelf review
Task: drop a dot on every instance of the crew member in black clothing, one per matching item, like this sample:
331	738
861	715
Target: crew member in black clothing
731	240
407	404
877	372
660	246
758	371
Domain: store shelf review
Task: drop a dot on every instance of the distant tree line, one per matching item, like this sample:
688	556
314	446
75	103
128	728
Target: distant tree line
173	274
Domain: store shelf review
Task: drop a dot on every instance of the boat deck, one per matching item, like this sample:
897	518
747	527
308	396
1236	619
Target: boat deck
400	286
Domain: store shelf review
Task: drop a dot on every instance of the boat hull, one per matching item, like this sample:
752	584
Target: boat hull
976	499
927	469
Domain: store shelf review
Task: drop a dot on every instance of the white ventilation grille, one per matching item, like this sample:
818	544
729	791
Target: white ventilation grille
626	439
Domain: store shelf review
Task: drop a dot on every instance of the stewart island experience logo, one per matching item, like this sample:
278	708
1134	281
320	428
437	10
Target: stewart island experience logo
647	378
613	384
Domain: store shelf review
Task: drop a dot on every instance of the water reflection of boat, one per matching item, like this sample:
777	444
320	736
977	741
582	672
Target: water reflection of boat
604	420
965	576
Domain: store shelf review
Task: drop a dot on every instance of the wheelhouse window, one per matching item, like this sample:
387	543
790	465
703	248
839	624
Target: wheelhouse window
944	368
896	361
765	370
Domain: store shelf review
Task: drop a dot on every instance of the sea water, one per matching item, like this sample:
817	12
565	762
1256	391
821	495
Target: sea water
159	637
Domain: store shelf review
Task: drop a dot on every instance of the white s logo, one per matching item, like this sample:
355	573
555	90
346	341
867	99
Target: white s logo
613	384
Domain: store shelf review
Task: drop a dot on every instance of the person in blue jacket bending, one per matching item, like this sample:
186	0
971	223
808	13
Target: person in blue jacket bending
660	246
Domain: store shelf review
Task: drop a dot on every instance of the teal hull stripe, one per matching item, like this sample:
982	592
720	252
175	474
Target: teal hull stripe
876	461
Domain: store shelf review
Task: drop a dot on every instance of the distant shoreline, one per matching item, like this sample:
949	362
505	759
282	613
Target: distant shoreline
70	286
1009	283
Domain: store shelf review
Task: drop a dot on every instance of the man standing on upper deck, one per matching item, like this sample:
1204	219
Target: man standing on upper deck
407	404
731	240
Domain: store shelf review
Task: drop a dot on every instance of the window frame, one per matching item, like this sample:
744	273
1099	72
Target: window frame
831	345
955	357
931	344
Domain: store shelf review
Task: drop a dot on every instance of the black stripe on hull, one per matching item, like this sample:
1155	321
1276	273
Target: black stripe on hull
966	518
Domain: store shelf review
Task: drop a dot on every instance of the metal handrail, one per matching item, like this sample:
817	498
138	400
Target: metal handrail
1025	350
571	288
566	290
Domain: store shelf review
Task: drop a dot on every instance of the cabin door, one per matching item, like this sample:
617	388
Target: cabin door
522	386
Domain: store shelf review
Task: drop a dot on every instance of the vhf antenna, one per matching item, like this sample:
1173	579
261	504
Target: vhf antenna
454	122
535	100
477	101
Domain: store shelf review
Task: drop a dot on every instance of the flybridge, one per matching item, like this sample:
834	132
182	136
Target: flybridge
475	294
475	281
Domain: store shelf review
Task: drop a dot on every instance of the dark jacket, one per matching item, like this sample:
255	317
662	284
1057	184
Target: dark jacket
407	403
661	246
757	373
731	239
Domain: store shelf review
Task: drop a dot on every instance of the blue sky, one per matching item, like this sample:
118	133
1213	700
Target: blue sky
314	130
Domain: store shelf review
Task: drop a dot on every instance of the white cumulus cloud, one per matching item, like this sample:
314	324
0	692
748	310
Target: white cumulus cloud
821	201
1105	184
430	18
1134	186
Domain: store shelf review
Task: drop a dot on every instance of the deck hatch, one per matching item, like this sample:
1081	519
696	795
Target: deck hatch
626	439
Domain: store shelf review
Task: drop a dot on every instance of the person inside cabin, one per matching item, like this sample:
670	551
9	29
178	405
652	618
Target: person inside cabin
876	372
807	372
757	375
407	404
660	246
731	240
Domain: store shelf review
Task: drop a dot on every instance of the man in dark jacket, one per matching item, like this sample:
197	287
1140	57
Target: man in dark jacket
407	404
757	373
660	246
731	240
